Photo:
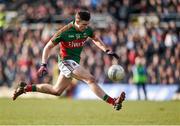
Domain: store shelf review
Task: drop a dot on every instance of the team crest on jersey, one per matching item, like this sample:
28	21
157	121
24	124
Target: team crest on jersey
84	35
78	36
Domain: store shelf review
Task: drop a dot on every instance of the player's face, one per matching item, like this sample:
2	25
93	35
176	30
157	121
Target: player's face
81	24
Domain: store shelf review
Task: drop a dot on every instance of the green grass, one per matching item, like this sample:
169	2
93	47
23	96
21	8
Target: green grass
67	111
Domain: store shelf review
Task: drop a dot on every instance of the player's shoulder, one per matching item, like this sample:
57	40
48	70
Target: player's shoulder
89	31
66	27
90	28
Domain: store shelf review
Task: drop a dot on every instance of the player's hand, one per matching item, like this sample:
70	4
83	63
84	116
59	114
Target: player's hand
112	54
42	70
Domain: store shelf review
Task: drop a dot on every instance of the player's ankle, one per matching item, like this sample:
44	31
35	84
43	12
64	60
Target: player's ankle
30	88
108	99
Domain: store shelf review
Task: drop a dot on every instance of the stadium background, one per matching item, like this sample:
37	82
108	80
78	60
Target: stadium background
149	29
132	28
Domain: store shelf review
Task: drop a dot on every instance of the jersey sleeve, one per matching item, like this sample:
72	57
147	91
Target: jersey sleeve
57	39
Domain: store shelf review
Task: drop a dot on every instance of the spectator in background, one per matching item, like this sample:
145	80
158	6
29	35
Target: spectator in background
140	76
10	72
23	38
1	75
2	19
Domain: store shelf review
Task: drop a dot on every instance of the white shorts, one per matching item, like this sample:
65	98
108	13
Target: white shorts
67	66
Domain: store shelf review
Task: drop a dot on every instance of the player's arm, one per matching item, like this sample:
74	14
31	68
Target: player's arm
53	42
43	69
99	43
46	51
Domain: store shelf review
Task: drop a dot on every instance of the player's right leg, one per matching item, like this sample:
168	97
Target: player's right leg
84	75
61	84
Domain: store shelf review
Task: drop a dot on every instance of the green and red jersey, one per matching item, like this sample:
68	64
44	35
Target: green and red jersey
71	43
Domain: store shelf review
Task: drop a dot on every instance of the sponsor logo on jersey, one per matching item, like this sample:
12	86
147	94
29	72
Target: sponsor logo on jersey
71	36
74	44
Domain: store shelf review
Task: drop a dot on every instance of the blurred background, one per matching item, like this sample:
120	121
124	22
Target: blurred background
144	33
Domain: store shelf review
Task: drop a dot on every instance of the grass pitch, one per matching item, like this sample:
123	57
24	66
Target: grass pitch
87	112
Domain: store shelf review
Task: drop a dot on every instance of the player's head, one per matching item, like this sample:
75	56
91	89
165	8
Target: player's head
82	19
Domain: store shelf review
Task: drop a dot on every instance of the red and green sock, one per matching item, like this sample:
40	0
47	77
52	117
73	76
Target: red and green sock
108	99
30	88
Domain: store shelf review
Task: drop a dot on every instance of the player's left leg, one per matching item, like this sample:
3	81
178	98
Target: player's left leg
61	84
84	75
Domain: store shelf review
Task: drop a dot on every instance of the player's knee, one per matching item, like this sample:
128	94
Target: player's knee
91	80
56	92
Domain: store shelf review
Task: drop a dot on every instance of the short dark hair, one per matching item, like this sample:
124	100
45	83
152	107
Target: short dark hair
84	15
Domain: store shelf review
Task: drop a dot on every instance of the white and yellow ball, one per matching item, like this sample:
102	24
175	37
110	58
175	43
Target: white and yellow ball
116	73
